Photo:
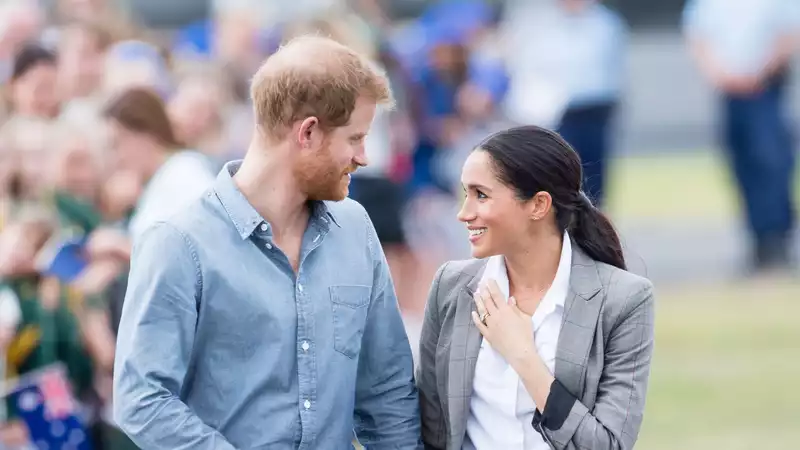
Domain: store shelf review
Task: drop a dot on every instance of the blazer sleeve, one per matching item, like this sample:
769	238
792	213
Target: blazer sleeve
434	429
615	420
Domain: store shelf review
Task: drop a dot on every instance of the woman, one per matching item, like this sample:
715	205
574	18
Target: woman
143	143
543	341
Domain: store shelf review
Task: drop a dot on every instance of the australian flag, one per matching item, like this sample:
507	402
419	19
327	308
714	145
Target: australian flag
45	403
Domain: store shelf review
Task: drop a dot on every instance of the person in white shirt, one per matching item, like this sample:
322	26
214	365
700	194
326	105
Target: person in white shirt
568	71
143	143
544	340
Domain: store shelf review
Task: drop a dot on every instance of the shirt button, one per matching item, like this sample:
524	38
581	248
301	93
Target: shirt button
307	404
263	227
300	287
268	245
305	346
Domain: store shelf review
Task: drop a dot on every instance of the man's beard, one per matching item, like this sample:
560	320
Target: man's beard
320	179
327	185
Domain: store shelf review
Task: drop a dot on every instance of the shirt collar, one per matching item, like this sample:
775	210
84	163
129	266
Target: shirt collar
556	294
242	214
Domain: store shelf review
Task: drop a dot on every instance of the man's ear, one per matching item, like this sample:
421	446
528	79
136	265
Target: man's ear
306	131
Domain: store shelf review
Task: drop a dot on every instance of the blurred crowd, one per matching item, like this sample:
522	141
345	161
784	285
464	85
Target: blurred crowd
107	126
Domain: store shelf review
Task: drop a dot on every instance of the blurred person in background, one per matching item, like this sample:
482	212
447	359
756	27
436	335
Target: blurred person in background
744	48
143	142
119	194
67	10
560	351
48	331
20	240
114	14
279	224
438	83
136	64
76	167
33	86
236	37
81	66
21	21
25	141
567	62
10	316
197	111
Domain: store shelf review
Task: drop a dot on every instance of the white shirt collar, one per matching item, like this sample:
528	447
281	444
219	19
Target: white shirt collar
555	295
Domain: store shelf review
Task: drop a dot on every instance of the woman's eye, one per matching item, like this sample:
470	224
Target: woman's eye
480	195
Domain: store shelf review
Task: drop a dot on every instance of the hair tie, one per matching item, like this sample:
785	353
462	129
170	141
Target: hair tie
584	202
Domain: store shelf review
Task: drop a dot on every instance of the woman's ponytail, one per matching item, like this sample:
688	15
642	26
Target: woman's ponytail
595	234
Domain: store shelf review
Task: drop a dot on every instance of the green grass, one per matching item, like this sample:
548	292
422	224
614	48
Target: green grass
670	187
725	370
727	358
673	187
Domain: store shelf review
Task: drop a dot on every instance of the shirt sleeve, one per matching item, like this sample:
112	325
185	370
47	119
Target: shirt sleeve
155	343
387	402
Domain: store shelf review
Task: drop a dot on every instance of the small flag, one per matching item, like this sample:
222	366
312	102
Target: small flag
45	403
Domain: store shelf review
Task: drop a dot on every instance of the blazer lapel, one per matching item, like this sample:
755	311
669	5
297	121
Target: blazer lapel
466	343
581	312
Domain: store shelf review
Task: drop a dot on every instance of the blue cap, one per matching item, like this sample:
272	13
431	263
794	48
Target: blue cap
489	75
457	18
133	50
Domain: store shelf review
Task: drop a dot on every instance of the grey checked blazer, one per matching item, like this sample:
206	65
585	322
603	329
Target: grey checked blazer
602	358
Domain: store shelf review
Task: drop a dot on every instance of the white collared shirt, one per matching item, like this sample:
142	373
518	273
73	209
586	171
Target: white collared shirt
180	180
501	410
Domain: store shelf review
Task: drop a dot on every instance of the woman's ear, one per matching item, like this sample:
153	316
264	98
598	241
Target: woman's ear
540	205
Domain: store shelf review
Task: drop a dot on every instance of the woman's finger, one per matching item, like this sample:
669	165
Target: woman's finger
488	301
479	305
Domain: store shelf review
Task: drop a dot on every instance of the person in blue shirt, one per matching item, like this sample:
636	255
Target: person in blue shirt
744	49
570	55
264	315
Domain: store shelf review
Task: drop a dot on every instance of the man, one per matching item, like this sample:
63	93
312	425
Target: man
264	315
744	48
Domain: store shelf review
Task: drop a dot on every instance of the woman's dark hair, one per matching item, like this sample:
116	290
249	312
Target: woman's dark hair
531	159
142	110
29	56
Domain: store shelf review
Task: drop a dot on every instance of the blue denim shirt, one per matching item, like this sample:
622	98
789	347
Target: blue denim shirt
222	346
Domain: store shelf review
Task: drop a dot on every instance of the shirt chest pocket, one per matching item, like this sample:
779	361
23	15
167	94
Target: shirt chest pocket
350	305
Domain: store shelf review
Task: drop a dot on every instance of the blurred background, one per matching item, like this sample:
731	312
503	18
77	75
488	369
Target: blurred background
683	112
